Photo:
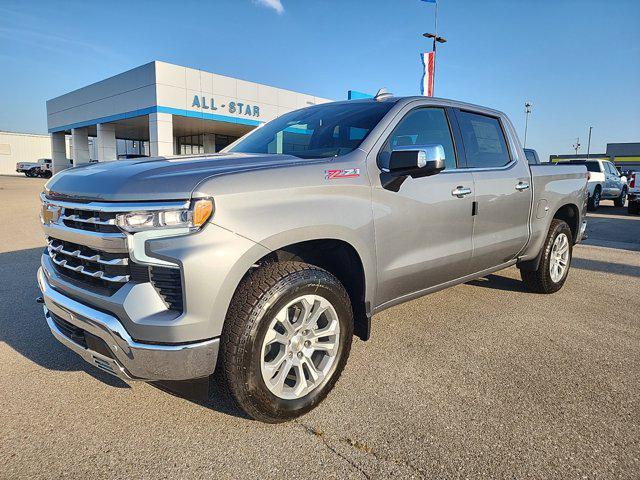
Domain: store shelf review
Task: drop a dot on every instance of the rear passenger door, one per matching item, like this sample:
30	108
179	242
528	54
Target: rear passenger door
502	189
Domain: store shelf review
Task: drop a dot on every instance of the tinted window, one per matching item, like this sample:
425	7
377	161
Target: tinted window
423	126
593	166
327	130
484	141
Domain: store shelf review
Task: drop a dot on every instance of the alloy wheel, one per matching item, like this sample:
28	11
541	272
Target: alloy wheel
559	262
300	347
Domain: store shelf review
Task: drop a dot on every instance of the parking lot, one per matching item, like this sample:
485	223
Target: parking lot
481	380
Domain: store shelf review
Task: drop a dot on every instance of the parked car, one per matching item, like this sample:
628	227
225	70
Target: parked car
633	207
604	182
259	264
41	168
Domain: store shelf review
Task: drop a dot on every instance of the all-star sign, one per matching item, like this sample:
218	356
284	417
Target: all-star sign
239	108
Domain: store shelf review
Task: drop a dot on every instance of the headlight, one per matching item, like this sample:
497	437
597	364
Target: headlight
192	218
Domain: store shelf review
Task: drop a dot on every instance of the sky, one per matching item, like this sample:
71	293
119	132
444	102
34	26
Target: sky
577	62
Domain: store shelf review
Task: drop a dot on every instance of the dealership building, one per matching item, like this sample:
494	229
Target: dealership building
161	109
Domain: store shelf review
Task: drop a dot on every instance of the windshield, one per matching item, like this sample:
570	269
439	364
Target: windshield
327	130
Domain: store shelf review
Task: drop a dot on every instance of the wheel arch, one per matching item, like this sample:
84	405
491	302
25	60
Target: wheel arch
338	256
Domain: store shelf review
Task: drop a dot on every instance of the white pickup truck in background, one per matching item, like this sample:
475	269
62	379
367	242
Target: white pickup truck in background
604	182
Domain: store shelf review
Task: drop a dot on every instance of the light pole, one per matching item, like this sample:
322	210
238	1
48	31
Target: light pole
436	40
527	111
589	142
576	146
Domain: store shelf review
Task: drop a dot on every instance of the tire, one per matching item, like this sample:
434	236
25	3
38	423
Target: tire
632	208
29	174
245	359
619	202
594	200
541	280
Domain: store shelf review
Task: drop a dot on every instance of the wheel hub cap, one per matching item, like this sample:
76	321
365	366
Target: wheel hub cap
300	347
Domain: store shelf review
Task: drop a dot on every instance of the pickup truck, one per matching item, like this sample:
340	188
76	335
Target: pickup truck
41	168
604	182
255	267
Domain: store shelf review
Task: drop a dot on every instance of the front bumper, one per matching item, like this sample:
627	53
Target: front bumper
120	355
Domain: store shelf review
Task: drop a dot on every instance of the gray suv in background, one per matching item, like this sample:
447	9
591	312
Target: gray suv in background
255	267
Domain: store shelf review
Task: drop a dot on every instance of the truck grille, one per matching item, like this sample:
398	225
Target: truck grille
87	248
104	222
98	269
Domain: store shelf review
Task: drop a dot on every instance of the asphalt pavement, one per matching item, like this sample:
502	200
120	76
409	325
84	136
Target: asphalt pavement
480	380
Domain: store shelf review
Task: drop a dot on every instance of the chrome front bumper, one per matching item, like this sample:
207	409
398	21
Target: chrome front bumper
129	360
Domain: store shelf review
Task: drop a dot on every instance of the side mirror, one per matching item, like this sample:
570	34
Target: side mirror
417	160
413	161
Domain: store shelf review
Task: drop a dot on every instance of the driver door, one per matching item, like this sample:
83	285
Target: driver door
423	232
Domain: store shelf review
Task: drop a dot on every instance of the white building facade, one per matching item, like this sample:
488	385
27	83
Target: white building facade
161	109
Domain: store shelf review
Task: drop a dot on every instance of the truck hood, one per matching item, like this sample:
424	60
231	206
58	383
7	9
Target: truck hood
147	179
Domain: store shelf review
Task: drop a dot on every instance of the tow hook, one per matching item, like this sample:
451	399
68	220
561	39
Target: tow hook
39	300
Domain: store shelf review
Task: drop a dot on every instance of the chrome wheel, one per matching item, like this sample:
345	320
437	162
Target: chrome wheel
559	262
300	347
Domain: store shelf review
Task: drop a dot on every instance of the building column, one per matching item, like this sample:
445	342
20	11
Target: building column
160	134
80	140
106	142
59	158
209	142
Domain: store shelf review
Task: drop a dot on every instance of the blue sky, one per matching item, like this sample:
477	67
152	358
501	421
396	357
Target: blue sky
577	61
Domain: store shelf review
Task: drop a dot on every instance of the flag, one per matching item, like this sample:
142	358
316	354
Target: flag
426	85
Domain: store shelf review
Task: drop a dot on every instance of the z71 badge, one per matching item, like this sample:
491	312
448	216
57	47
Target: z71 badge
342	173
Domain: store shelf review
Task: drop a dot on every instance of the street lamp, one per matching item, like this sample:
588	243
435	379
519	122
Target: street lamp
527	110
576	146
436	40
589	142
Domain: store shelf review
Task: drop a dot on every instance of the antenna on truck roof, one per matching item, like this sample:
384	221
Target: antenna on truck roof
382	94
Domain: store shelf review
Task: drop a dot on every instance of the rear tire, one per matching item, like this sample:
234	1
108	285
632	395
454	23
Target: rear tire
632	208
594	200
547	278
271	359
619	202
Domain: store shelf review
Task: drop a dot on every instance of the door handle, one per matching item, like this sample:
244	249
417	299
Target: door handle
460	191
522	186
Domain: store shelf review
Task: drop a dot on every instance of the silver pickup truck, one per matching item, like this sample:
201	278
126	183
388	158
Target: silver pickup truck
262	262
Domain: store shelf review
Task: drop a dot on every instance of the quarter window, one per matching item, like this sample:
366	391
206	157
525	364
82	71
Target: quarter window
484	142
422	126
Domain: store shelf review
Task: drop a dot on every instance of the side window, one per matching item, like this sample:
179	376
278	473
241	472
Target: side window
423	126
484	142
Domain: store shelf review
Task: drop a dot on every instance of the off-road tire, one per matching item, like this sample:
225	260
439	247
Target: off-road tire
260	295
594	200
619	202
539	281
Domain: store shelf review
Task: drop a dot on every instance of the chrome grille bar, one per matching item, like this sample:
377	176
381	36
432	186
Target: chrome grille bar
92	220
99	274
93	258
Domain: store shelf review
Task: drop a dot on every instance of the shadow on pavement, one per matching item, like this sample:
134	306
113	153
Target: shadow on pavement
606	267
22	323
499	282
24	329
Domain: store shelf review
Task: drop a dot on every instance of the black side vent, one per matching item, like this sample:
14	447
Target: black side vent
169	285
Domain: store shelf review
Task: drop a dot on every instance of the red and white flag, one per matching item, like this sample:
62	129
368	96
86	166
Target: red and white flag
426	85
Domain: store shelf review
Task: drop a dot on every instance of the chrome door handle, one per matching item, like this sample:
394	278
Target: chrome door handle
460	191
522	186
